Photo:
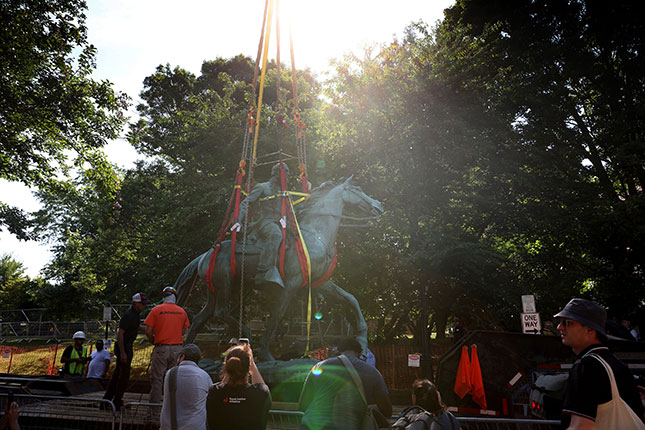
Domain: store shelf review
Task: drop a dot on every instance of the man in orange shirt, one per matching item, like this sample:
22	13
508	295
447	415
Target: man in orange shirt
166	325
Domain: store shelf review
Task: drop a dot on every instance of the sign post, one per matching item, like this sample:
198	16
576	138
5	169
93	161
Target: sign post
531	323
107	317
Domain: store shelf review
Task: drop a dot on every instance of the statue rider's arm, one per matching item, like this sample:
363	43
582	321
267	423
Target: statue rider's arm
253	197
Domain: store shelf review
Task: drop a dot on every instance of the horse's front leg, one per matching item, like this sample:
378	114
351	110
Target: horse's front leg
334	293
201	318
224	315
286	297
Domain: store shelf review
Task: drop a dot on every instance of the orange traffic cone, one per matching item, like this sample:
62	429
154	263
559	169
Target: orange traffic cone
462	383
478	394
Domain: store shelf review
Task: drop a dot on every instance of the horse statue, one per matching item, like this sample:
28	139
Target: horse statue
319	218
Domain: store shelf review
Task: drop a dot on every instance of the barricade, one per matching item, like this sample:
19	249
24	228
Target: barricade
287	420
283	420
55	412
473	423
145	416
139	416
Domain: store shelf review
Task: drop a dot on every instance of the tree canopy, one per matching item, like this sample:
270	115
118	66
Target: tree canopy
506	144
51	110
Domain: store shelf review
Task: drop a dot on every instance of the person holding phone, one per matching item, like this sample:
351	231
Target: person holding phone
236	403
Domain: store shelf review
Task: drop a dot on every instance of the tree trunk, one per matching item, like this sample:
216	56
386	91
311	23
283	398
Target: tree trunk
594	157
441	318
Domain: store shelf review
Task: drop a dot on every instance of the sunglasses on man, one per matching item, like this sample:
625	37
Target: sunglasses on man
566	323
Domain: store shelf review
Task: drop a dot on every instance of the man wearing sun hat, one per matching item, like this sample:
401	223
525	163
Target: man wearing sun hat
123	349
582	327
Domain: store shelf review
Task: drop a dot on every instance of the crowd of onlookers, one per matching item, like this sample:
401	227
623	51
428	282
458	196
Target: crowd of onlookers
624	328
339	393
343	392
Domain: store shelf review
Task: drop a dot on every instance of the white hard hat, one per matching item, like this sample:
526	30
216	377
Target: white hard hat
79	335
168	291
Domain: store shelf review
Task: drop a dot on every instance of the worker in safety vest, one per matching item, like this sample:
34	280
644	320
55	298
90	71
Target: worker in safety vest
75	356
269	224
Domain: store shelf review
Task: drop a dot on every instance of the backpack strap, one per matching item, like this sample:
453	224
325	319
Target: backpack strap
413	414
357	379
426	423
172	393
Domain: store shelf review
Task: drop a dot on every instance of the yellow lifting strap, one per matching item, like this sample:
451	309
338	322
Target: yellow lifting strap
264	69
291	193
241	189
306	252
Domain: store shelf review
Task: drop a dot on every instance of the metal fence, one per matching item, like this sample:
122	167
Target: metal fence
54	330
58	413
288	420
283	420
145	416
139	416
472	423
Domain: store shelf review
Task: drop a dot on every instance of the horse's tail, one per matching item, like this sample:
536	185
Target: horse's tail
186	280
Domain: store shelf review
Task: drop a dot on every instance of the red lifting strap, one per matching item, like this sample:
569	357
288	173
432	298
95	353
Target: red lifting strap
327	275
222	231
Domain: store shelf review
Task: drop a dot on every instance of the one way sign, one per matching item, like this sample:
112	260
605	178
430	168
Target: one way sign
531	323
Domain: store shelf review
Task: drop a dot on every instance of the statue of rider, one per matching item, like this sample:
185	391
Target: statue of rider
267	195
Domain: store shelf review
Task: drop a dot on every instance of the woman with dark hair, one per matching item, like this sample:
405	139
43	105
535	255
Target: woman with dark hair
235	403
428	411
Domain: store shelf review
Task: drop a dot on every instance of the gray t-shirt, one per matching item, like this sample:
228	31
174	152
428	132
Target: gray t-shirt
331	400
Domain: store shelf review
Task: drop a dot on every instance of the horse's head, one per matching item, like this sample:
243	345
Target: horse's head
354	196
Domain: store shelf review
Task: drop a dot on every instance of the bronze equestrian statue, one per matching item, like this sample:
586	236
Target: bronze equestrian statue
319	218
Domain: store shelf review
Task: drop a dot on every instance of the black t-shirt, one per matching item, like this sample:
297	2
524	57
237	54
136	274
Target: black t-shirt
588	385
130	324
238	408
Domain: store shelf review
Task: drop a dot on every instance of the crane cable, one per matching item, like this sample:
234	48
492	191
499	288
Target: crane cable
264	48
